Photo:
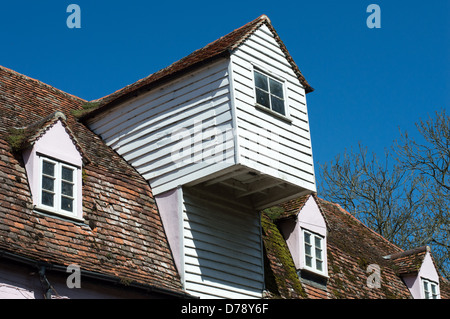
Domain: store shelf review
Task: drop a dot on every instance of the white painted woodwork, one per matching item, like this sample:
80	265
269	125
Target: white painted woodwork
200	125
175	119
270	144
222	247
204	132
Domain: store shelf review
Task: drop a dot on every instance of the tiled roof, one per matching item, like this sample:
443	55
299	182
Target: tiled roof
123	235
351	248
219	48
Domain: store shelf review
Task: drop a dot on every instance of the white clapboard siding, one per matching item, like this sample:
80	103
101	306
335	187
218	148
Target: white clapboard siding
268	143
164	133
222	248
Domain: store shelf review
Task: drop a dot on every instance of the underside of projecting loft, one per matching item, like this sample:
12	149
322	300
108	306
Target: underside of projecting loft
249	186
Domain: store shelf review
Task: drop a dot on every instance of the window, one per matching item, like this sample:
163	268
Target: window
313	253
430	289
269	92
58	189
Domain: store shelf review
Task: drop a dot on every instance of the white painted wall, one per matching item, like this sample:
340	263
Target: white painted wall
273	145
187	129
222	247
171	134
206	123
309	218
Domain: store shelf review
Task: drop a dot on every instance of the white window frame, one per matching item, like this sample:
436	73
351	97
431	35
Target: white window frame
426	282
56	208
269	75
313	255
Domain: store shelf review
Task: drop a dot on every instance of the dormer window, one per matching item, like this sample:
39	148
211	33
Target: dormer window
58	188
305	231
418	272
53	161
430	289
269	92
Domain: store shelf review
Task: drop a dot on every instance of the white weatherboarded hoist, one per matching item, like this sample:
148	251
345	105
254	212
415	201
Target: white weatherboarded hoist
219	135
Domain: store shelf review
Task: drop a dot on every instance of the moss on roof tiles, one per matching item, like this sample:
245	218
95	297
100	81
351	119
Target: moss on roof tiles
282	277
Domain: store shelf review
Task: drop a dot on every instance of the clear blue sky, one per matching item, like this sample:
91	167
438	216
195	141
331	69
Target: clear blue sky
368	82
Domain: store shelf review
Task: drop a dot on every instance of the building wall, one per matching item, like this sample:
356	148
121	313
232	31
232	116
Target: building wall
19	281
177	132
273	145
223	255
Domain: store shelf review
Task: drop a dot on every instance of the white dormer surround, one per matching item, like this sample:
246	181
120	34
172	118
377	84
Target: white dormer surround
53	165
306	237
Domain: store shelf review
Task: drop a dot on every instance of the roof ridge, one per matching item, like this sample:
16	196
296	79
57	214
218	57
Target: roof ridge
220	47
360	222
262	18
28	78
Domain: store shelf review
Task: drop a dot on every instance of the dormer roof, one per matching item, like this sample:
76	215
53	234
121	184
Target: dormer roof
409	261
292	208
221	47
25	137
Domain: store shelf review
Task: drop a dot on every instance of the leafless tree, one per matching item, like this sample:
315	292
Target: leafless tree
429	157
404	197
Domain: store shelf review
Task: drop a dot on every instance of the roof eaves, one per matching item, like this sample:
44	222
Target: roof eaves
301	78
95	275
128	91
219	48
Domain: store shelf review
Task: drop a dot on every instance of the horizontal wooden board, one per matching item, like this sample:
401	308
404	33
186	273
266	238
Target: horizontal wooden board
222	247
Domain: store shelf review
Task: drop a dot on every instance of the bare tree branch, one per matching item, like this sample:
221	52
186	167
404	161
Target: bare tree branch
406	200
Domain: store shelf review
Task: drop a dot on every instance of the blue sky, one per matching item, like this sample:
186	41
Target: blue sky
368	82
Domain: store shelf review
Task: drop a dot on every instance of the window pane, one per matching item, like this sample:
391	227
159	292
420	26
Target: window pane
262	98
48	183
433	288
67	189
308	250
261	81
318	241
67	204
434	293
319	253
276	88
277	105
48	168
307	238
47	198
308	261
319	265
67	174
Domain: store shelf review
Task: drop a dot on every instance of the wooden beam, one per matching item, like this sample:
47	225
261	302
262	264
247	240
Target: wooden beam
224	177
259	186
